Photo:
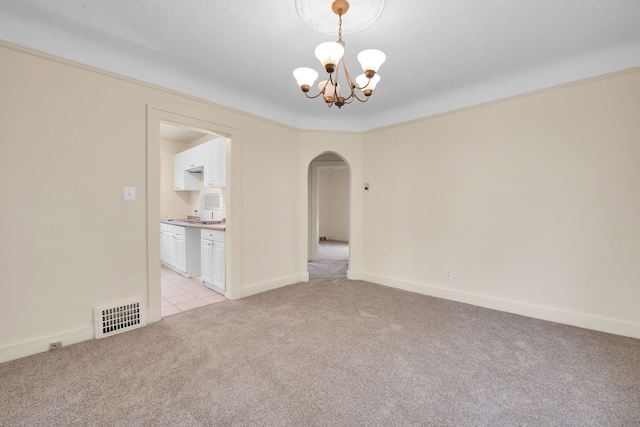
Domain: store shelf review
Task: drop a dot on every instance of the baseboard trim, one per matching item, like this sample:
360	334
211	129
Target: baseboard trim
40	345
354	275
582	320
274	284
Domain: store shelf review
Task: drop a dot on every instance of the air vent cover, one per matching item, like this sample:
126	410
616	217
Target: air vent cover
114	318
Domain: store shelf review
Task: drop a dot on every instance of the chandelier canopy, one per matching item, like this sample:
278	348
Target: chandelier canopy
329	54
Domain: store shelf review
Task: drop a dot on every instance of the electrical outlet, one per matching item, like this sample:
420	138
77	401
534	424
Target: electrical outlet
448	274
55	345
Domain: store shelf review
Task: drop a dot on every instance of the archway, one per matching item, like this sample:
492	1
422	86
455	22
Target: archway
329	178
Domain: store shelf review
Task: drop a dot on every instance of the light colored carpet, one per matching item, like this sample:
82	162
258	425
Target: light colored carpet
332	353
333	250
333	260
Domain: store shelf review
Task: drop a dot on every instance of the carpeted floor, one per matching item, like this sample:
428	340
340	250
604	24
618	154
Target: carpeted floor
332	352
332	262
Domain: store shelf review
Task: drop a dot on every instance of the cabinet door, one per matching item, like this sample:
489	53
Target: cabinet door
209	163
195	157
180	253
183	180
206	261
164	246
215	163
219	274
178	172
170	249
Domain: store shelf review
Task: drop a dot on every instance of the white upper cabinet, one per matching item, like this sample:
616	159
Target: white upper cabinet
215	169
210	158
195	157
183	180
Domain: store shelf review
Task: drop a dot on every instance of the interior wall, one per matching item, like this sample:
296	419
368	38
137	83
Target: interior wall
532	202
83	134
333	188
173	204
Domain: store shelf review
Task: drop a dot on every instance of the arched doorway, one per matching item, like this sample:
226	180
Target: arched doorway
329	178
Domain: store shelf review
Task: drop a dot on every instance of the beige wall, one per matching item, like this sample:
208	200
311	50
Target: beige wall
73	138
334	203
533	202
174	204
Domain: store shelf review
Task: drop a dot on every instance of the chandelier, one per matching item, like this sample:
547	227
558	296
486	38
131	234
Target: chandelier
329	54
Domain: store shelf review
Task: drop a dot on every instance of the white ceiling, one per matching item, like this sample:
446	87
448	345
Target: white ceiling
441	54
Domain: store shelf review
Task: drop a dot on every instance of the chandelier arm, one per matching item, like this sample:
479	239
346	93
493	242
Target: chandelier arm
334	82
350	82
349	100
322	91
363	87
312	97
347	75
355	95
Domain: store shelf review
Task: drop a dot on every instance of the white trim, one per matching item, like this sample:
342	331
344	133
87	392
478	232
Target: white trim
40	345
274	284
355	275
582	320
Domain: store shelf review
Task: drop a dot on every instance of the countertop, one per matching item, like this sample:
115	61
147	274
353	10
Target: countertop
191	224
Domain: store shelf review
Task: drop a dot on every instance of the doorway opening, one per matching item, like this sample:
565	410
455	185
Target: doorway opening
329	177
229	263
182	287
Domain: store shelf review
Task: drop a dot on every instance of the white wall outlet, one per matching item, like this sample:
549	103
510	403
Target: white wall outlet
129	193
448	274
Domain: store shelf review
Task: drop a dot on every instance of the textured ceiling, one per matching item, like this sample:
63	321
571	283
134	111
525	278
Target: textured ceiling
441	54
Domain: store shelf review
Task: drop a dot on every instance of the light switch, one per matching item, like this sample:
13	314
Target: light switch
129	193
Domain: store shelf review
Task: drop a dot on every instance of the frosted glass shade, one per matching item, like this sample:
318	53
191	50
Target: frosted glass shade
305	76
329	53
329	90
371	59
362	80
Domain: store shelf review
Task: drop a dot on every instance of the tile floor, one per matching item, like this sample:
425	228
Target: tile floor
180	293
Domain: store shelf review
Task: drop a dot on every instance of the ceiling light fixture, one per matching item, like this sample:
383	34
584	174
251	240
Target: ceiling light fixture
329	54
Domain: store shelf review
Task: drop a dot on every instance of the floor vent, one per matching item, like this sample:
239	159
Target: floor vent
115	318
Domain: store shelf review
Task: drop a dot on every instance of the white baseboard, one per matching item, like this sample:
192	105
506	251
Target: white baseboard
583	320
274	284
40	345
354	275
338	238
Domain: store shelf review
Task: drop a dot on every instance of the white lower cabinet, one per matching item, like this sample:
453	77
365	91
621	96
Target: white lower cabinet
180	249
213	258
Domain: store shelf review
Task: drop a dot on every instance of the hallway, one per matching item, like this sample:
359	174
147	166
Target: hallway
333	260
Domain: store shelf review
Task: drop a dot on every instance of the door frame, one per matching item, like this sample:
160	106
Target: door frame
233	231
313	204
